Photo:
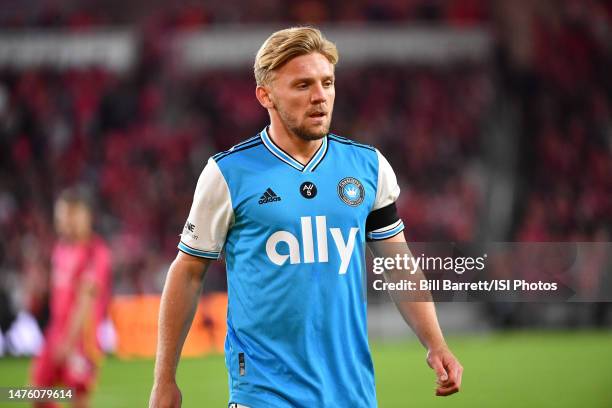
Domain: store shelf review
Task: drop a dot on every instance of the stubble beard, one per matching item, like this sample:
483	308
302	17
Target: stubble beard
302	131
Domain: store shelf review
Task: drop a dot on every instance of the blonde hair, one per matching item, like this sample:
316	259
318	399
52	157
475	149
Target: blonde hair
289	43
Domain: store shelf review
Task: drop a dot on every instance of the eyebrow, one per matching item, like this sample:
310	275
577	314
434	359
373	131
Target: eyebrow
310	79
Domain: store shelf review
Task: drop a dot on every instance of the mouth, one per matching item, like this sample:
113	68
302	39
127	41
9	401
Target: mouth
317	115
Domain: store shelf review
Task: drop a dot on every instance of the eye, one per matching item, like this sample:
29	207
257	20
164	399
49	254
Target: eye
302	85
328	83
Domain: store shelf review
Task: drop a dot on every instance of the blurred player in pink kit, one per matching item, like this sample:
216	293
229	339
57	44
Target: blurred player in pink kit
80	289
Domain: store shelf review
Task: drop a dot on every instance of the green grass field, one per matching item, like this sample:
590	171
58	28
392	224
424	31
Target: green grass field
516	369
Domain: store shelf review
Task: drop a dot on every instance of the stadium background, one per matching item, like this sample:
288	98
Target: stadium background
496	116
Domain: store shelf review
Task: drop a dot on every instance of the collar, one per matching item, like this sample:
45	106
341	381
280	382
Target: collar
314	161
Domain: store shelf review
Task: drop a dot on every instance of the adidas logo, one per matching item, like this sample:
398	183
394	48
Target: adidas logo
268	196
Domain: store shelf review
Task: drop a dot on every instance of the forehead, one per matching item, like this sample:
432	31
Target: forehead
63	207
312	65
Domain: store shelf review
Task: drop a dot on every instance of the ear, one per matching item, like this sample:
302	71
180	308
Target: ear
263	96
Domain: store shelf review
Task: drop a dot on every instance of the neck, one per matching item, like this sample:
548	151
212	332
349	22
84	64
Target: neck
298	148
78	238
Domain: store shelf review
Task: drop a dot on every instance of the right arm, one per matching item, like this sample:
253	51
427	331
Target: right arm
178	305
201	242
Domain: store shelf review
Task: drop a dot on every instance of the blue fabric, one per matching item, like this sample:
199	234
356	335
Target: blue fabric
298	320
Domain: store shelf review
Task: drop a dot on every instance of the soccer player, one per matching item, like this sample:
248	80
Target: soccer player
292	208
80	288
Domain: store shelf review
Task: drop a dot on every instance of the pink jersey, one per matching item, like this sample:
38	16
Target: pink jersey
73	264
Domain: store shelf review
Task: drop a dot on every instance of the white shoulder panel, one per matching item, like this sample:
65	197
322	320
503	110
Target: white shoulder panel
210	217
388	190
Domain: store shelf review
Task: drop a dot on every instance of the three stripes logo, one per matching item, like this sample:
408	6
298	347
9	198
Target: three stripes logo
268	196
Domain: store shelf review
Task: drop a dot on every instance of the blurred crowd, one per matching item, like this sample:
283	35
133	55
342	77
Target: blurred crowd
561	84
197	14
139	140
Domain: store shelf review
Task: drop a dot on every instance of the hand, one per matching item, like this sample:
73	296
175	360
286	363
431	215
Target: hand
165	395
61	352
448	370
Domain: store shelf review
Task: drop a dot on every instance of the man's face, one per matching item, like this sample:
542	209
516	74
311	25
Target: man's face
72	220
303	93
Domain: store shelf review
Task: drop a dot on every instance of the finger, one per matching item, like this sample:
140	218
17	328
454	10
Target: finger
441	374
453	371
453	384
444	383
445	391
450	380
459	376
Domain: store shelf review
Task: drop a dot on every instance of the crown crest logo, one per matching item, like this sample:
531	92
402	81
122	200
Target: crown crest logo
351	191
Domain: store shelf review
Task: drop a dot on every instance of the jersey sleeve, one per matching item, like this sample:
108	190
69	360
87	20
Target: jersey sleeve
98	268
210	216
383	221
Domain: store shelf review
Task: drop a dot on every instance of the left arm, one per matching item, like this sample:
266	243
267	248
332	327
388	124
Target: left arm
86	296
421	317
93	283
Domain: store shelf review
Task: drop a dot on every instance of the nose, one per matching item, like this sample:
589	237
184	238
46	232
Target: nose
318	94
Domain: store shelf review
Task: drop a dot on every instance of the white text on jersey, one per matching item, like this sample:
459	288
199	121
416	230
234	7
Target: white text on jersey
345	248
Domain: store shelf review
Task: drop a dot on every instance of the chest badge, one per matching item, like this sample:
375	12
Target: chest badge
351	191
308	190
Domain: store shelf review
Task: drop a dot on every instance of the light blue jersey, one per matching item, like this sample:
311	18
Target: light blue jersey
294	238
